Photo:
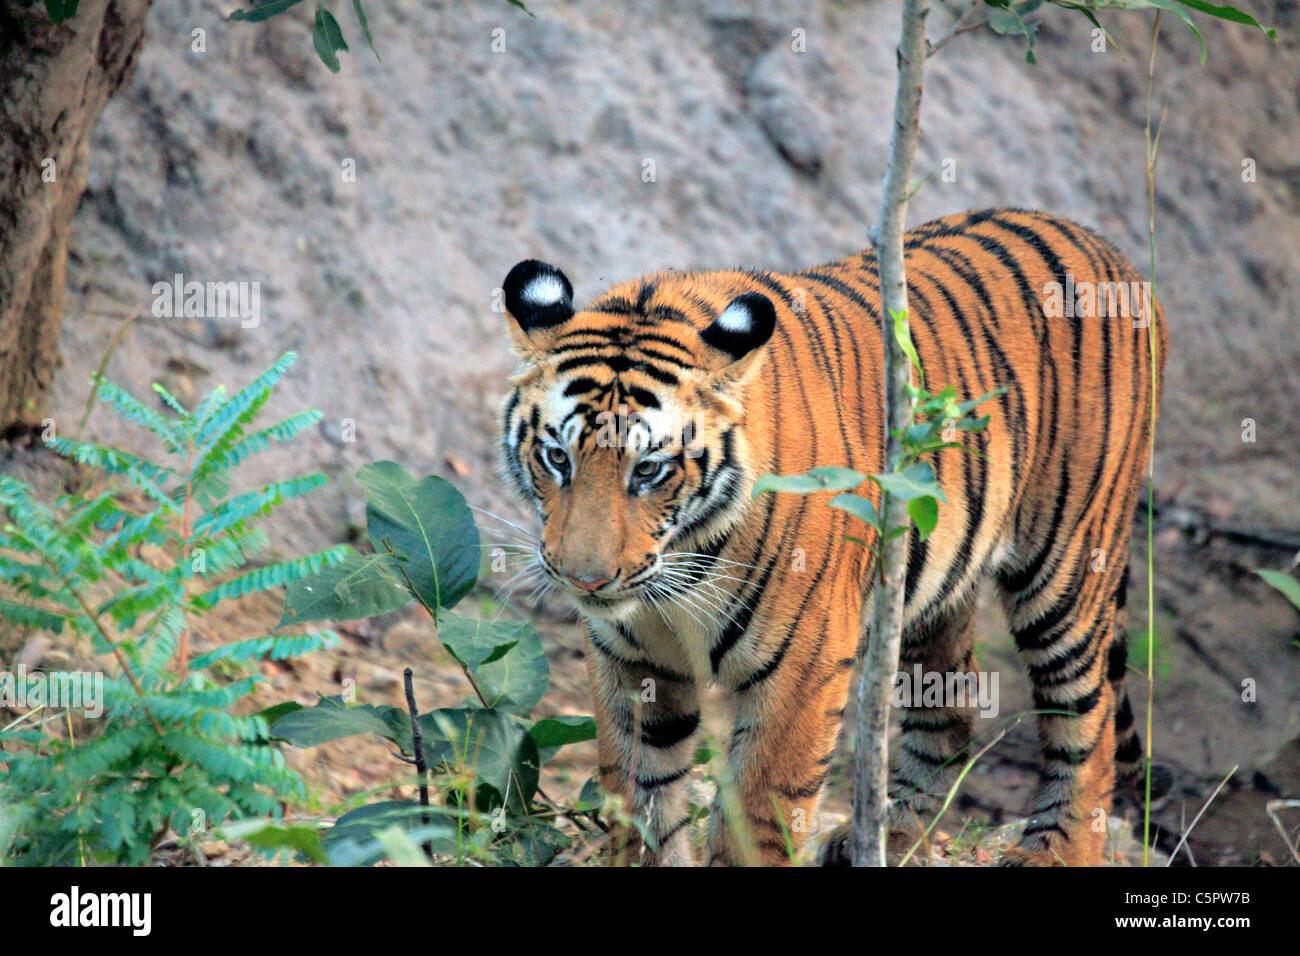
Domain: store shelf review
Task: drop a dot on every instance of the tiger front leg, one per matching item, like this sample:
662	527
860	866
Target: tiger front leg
647	716
787	721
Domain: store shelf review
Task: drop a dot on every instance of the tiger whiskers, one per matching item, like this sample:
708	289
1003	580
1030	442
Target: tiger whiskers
507	522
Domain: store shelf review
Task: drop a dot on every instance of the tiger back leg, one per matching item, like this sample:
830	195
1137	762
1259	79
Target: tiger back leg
933	739
934	736
1128	745
1063	614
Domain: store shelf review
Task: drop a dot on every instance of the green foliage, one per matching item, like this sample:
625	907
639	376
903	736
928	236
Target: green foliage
170	748
1010	17
61	10
936	420
326	35
484	756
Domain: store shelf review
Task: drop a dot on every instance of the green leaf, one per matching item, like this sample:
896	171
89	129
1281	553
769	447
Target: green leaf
826	478
552	733
26	616
331	719
429	527
859	507
925	512
903	335
303	840
1229	13
361	585
276	711
491	744
1288	585
280	574
475	642
352	841
1009	21
590	798
61	10
913	482
516	681
263	11
271	648
328	39
1174	8
365	26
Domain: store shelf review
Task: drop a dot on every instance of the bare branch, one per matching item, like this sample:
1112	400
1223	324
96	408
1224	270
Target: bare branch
964	24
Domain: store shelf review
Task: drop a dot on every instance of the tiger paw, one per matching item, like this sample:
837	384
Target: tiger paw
1023	856
836	850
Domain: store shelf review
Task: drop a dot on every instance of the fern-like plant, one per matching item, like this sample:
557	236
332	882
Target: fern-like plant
173	747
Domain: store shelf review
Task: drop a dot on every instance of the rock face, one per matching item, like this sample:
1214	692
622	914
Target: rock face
379	210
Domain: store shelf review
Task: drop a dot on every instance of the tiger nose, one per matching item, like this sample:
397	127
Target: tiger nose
587	584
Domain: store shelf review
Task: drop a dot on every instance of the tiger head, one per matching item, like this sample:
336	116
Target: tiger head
625	430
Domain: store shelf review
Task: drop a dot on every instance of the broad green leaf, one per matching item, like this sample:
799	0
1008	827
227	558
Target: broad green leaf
276	711
352	841
552	733
328	39
826	478
1009	21
516	681
859	507
913	482
361	585
331	719
303	840
591	798
61	10
492	745
1288	585
925	513
429	528
474	642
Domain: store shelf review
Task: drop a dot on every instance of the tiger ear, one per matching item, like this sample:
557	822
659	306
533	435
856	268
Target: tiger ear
538	297
737	337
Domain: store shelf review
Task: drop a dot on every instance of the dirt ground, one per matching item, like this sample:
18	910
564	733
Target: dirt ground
226	166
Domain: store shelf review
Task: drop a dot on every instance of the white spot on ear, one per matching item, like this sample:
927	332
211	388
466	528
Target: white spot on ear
736	318
544	290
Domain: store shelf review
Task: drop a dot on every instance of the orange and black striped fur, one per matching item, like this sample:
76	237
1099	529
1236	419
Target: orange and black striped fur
684	580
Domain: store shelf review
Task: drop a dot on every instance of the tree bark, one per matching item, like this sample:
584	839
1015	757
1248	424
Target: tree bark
871	754
55	80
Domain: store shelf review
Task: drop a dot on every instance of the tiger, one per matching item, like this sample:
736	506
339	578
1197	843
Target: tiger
636	427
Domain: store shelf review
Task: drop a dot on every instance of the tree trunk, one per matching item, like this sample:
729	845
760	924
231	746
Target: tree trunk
55	79
871	753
